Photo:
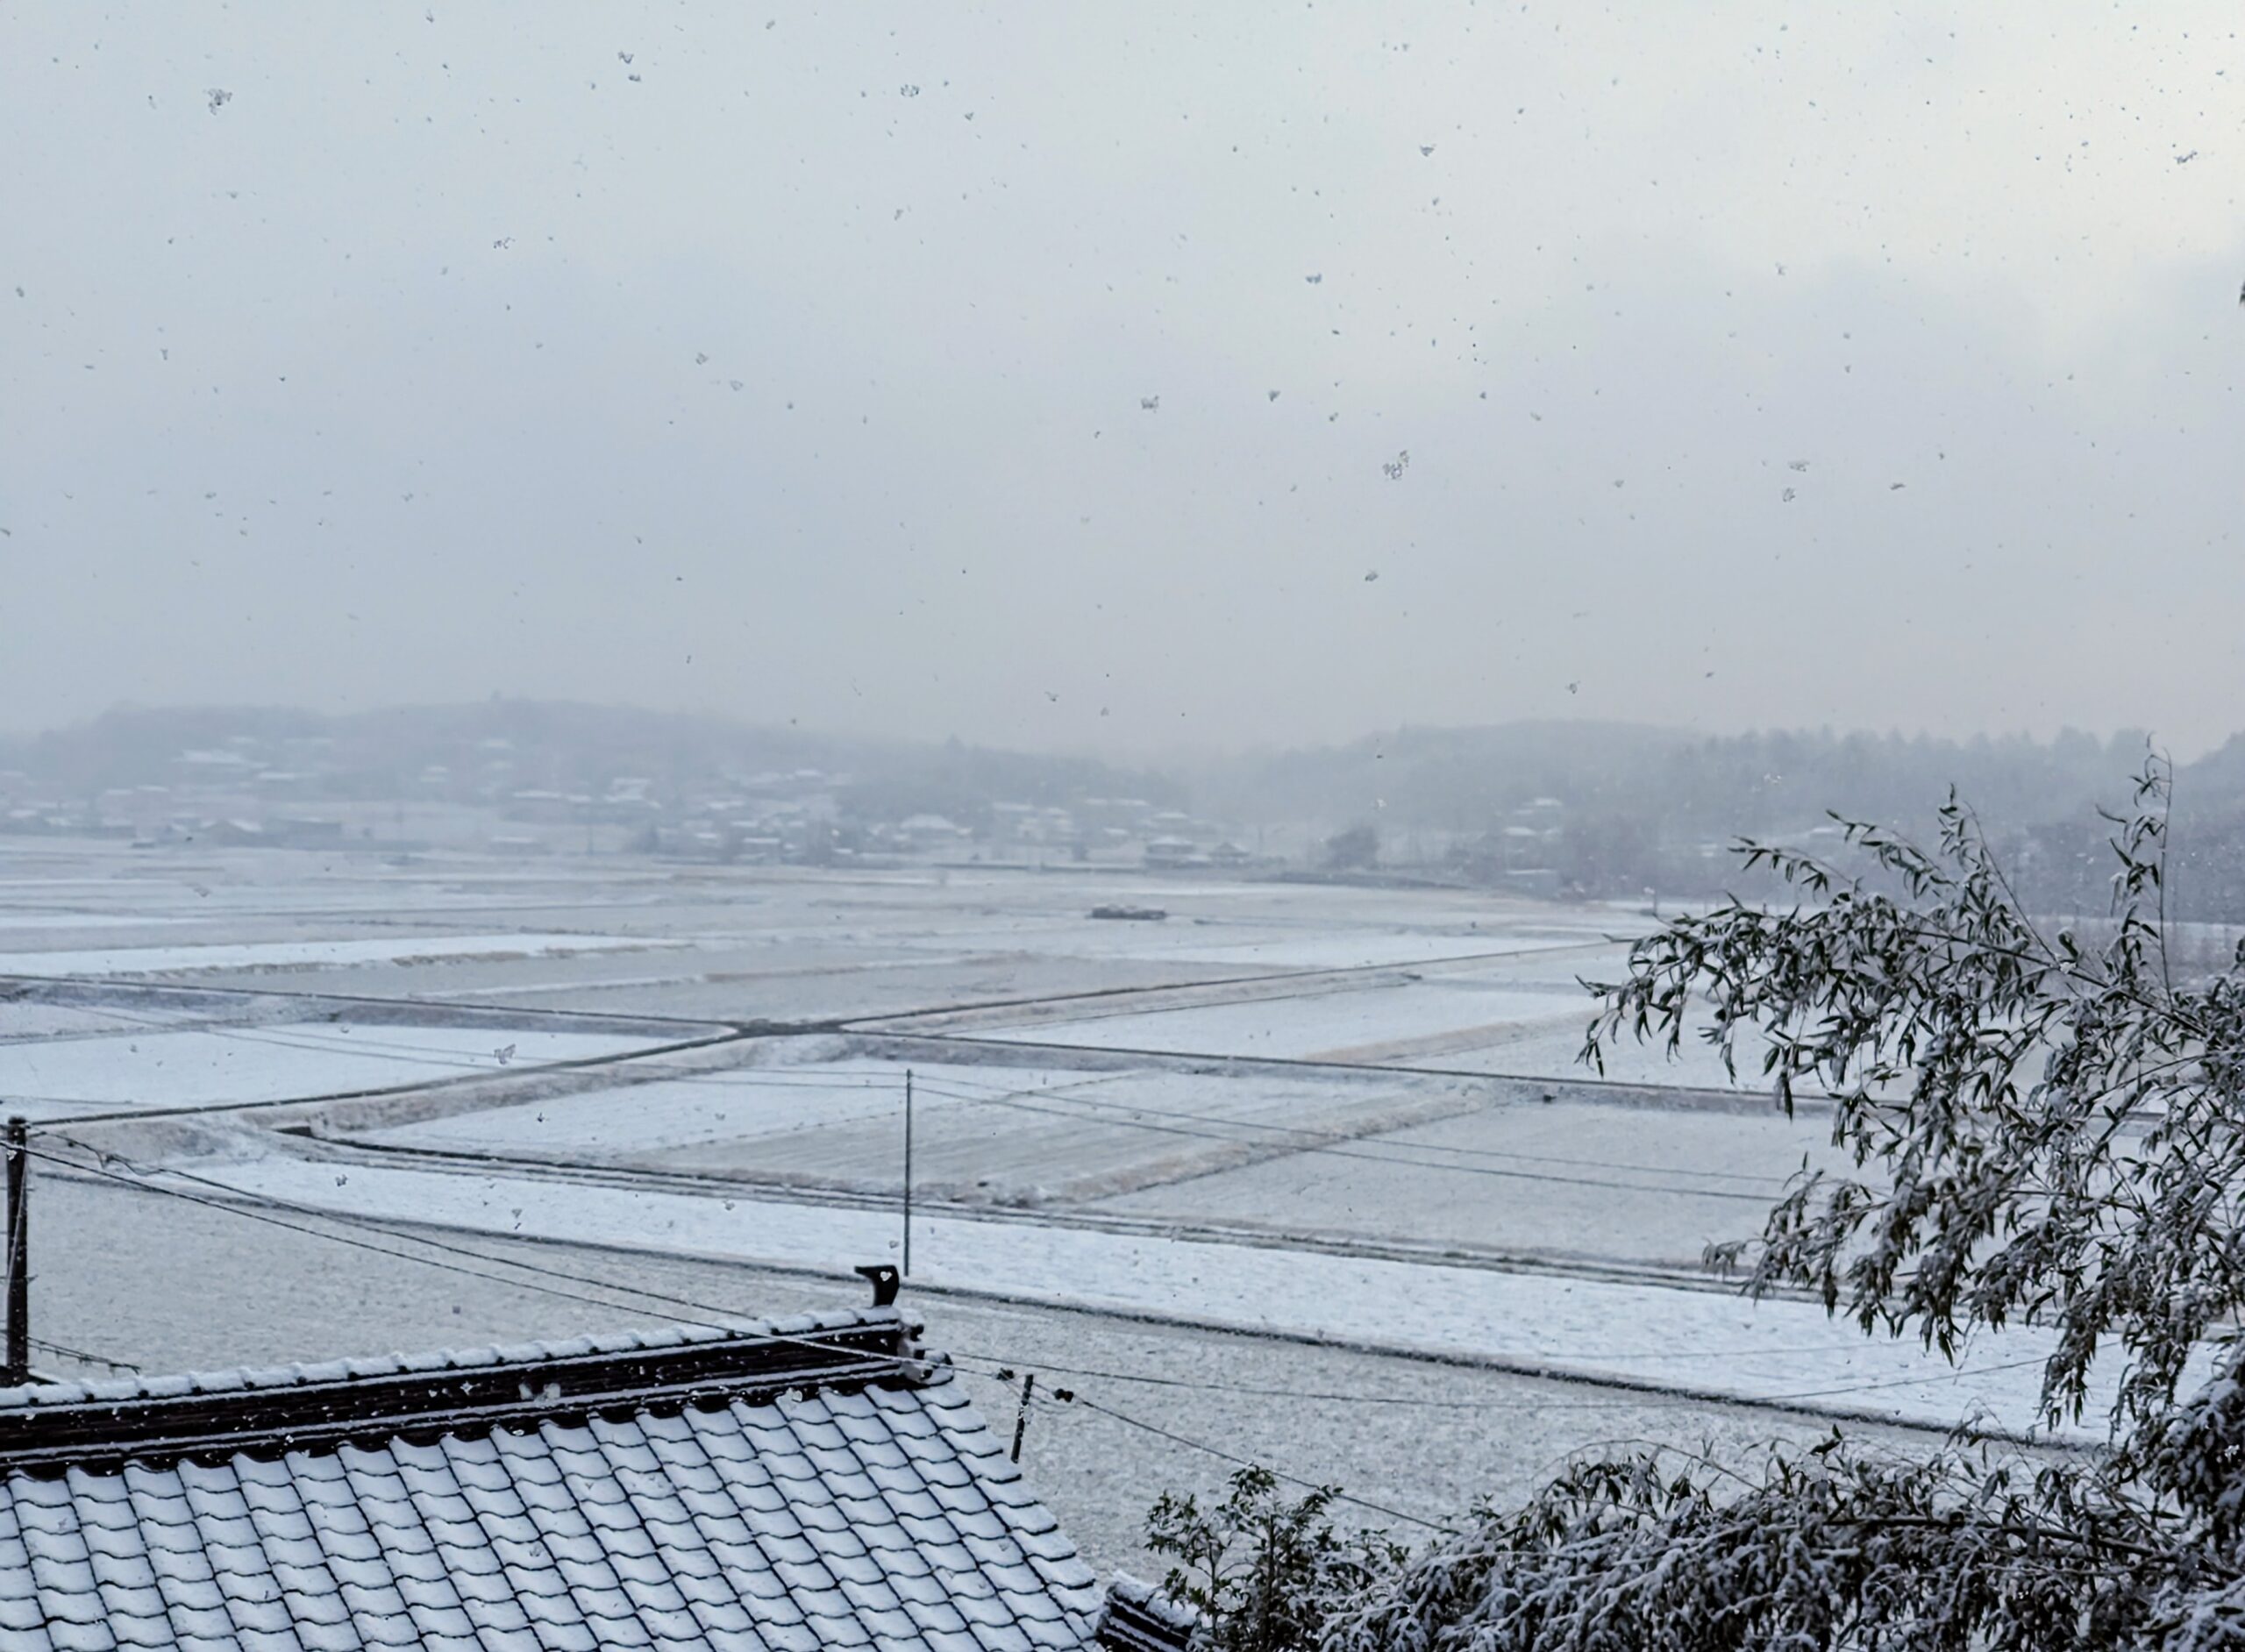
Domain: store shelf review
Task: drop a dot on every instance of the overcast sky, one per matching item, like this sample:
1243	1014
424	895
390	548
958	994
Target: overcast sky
1044	373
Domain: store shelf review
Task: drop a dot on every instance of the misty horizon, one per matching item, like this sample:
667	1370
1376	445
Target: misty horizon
1298	378
1179	752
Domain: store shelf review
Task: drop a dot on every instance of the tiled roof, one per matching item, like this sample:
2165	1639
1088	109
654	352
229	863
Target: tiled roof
1139	1618
806	1485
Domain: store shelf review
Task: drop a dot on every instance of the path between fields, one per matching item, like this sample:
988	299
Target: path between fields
1692	1342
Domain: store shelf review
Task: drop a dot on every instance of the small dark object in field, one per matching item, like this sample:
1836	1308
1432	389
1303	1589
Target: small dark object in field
1138	914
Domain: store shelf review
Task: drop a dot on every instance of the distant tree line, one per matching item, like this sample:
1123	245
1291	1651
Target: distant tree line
560	746
1645	808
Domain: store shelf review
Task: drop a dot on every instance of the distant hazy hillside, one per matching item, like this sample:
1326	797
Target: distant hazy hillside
1618	807
566	747
2217	778
1462	778
1457	779
1598	808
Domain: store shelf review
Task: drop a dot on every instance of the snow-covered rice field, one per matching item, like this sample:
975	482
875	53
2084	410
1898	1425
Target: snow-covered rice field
233	1065
1017	1134
1193	1186
1321	1023
1624	1184
297	955
1693	1342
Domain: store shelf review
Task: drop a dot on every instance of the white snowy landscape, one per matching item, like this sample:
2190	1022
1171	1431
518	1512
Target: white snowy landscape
1302	1117
1144	829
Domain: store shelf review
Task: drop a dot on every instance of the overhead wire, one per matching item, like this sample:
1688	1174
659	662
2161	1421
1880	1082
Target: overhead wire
83	1356
950	1088
1064	1398
1331	1150
229	1193
243	1208
1362	1150
238	1201
234	1199
1338	1496
1018	1099
951	1085
1025	1100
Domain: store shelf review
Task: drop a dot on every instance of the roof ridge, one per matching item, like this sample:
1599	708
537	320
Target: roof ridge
631	1339
311	1408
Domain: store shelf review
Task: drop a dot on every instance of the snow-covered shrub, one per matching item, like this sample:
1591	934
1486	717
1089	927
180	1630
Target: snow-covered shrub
2048	1133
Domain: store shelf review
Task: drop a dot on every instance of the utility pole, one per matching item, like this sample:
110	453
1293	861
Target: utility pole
907	1269
1020	1417
18	1371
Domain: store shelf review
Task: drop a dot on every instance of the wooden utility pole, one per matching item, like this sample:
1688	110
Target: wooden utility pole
19	1370
1020	1417
907	1269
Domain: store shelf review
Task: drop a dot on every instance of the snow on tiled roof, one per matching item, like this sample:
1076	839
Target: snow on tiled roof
703	1512
1140	1617
809	1328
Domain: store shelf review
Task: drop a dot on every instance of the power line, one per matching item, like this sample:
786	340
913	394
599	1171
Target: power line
244	1210
1333	1150
236	1200
1293	1479
242	1204
141	1180
438	1056
1375	1152
81	1355
1066	1092
1417	1401
233	1197
312	1040
1366	1151
140	983
1901	1382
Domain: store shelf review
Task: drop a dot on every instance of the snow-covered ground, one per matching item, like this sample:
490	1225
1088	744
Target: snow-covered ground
815	1111
29	1019
1424	1437
1102	1151
65	1078
1632	1185
274	955
1320	1023
1367	951
1454	1021
1696	1343
66	919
